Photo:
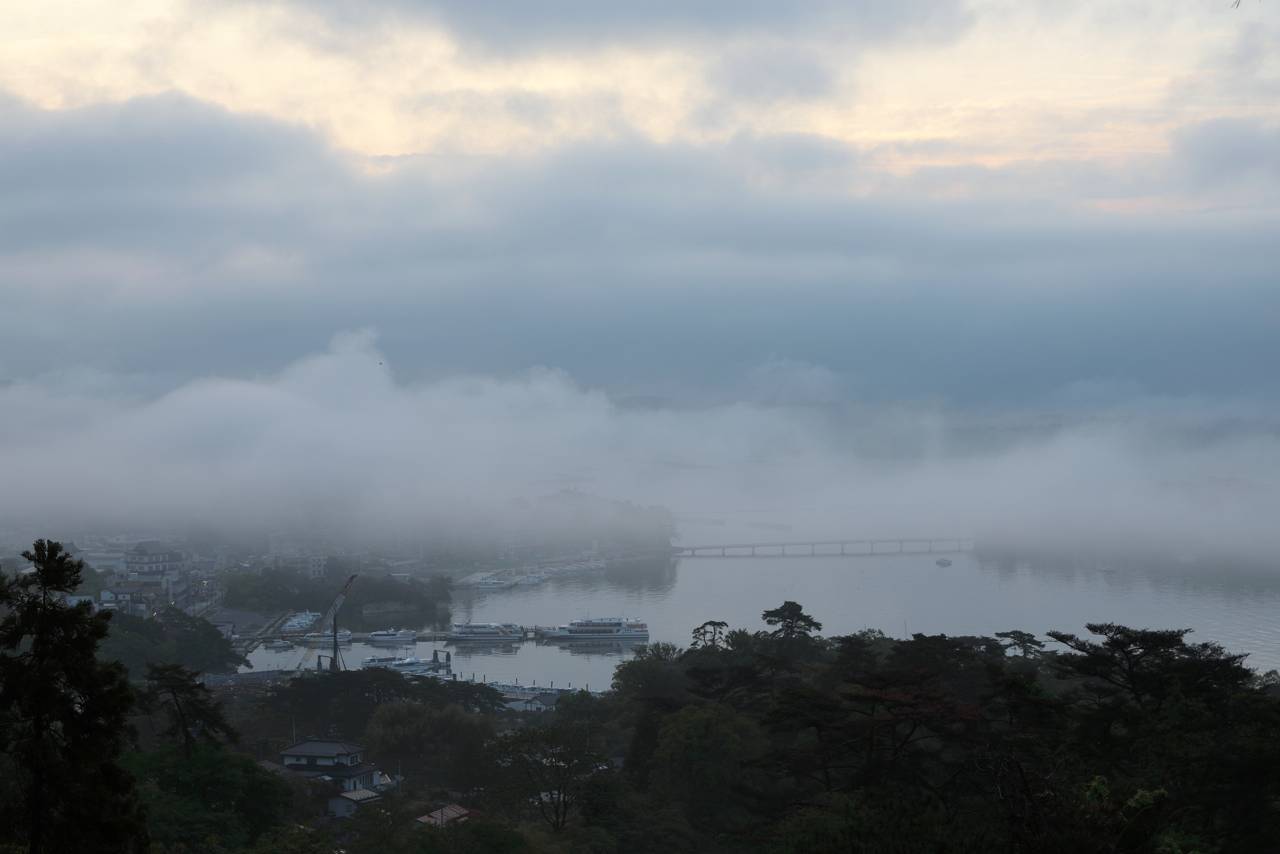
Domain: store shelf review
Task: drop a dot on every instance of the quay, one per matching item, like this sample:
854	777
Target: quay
247	645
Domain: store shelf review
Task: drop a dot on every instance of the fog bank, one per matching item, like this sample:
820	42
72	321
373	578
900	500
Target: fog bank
336	440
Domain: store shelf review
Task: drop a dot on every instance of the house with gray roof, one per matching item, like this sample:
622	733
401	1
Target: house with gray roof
338	761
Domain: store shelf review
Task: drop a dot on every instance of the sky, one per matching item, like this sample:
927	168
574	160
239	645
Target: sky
704	253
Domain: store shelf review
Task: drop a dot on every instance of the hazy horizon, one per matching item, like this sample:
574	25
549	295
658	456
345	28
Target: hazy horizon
989	269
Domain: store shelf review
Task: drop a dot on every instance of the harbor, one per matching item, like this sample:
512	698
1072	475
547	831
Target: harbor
586	629
898	594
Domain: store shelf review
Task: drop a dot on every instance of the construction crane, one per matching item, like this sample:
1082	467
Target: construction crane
330	617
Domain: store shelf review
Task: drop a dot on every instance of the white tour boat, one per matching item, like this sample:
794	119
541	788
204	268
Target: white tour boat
599	628
407	666
485	632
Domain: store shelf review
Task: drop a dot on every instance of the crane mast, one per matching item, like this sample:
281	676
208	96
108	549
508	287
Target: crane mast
331	617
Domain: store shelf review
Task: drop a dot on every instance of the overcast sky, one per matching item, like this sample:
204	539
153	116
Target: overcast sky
963	206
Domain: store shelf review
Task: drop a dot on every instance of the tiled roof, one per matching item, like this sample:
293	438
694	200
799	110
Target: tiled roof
322	748
360	796
445	815
334	772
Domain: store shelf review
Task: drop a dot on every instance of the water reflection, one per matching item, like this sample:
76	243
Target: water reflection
614	649
1232	605
479	649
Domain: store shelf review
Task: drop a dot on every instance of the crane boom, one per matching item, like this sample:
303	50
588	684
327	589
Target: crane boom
331	617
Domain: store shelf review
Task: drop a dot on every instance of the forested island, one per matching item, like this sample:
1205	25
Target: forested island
1114	740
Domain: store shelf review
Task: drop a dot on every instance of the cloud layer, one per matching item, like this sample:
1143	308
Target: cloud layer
334	442
170	239
841	259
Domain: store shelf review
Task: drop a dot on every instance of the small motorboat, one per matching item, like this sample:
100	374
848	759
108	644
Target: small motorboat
942	561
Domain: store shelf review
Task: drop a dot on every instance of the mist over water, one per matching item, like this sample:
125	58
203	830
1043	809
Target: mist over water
336	441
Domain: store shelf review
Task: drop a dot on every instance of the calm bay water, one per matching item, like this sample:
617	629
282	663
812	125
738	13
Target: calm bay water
896	594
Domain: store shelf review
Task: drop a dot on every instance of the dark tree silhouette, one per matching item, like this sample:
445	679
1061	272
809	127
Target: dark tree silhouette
1025	643
791	621
192	711
709	635
551	768
62	715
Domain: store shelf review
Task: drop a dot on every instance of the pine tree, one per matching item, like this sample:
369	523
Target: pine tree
192	711
63	716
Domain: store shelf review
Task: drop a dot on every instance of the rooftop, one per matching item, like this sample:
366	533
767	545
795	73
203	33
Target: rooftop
445	815
333	772
322	748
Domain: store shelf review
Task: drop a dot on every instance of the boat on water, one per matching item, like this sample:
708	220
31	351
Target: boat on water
597	629
942	561
300	621
410	666
278	644
491	632
395	637
322	638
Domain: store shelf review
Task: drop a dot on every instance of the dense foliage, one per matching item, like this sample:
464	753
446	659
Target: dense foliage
281	590
208	799
63	717
171	637
1120	740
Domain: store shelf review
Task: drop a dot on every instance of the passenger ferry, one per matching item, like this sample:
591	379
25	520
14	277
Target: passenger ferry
506	632
599	628
322	638
407	666
395	637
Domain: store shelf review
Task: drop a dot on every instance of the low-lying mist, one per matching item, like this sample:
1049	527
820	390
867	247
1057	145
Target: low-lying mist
336	442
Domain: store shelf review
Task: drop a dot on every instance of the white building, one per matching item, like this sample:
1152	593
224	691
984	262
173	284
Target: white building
338	761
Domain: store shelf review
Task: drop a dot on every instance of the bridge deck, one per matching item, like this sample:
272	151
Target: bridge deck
831	548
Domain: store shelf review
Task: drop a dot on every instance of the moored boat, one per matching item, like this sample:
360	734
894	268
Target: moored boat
393	636
599	628
410	666
508	632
